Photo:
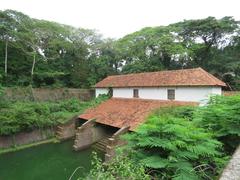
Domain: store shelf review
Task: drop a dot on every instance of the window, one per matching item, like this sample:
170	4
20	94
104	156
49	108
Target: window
110	92
135	93
171	94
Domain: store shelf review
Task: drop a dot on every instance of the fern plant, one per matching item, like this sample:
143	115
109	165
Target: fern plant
222	117
174	148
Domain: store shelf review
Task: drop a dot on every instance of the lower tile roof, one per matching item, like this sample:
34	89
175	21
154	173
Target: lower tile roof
119	112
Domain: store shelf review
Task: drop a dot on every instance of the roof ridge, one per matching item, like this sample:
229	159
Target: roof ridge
172	70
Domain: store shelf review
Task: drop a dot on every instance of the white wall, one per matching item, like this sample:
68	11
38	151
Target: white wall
123	92
99	91
195	94
153	93
217	90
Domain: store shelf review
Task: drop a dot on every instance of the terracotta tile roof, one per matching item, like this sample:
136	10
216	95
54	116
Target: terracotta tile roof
119	112
185	77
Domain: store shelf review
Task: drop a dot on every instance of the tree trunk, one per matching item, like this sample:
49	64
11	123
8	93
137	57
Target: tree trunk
6	57
33	64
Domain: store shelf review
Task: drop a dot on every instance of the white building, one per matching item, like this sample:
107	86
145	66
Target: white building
191	85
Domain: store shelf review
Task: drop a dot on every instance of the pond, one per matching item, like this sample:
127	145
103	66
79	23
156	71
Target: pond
55	161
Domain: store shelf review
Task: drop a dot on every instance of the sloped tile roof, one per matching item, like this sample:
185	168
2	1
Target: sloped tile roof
119	112
185	77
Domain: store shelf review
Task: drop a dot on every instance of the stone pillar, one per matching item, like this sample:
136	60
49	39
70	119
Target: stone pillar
67	130
88	134
115	142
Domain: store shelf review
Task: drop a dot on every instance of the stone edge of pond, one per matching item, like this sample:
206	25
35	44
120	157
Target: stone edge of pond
25	146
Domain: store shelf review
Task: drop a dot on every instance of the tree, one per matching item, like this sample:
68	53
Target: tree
105	59
204	34
154	49
8	32
47	53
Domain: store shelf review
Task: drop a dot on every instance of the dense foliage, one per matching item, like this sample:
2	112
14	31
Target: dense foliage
222	117
119	168
187	142
175	147
44	53
21	116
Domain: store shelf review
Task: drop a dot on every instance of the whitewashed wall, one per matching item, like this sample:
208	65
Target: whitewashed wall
123	92
99	91
194	94
217	90
153	93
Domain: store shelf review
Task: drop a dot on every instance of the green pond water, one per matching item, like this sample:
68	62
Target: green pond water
55	161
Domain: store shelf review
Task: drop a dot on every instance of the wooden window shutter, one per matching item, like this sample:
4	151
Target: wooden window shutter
135	93
171	94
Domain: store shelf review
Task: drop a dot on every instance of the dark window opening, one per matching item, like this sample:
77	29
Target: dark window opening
110	92
135	93
171	94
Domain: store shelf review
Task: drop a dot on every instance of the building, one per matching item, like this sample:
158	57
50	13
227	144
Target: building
189	85
135	97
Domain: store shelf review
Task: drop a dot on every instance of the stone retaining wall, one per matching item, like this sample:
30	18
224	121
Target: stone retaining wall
67	130
89	133
114	142
26	137
230	93
48	94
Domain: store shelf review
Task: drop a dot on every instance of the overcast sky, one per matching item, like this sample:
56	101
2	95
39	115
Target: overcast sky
116	18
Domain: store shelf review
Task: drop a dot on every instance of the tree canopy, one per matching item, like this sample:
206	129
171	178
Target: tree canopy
43	53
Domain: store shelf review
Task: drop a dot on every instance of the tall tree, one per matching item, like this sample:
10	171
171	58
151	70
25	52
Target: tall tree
205	34
7	33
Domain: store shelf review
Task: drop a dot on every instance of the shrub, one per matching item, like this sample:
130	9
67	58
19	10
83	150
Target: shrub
180	112
222	117
3	102
119	168
175	148
27	115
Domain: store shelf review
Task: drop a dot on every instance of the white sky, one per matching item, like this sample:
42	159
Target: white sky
116	18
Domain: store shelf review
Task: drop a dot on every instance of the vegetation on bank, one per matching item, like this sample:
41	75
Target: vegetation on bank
43	53
183	142
23	116
222	118
120	168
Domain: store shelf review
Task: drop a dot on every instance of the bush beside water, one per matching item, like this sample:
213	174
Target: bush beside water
23	116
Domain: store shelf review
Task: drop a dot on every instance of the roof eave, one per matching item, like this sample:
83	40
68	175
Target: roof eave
167	85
